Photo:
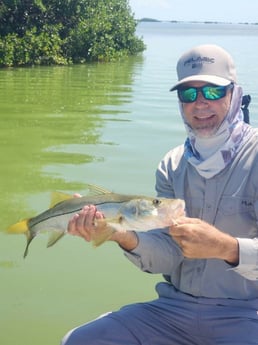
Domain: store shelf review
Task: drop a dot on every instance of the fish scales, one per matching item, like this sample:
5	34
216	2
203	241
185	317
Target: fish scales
121	212
76	204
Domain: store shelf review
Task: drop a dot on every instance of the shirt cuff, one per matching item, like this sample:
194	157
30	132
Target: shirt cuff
144	243
248	258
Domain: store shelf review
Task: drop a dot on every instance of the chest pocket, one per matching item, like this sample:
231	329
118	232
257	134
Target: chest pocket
236	216
235	205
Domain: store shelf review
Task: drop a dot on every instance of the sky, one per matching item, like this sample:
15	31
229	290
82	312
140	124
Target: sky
232	11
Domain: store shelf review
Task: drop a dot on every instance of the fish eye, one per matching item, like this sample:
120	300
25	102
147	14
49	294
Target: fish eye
156	202
120	219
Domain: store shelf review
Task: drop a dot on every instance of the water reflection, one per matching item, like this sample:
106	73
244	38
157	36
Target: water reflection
52	121
48	115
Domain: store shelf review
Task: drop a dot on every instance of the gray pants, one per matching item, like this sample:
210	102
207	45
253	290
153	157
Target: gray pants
183	320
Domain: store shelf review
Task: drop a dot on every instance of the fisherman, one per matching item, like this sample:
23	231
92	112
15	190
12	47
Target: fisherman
209	258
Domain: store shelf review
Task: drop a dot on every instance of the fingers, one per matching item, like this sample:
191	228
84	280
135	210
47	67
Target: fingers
182	230
99	215
77	195
71	228
188	220
83	223
176	230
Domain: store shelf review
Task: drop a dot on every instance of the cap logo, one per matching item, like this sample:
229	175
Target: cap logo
198	62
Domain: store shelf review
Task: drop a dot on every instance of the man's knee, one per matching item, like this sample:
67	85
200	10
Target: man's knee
65	339
76	337
88	333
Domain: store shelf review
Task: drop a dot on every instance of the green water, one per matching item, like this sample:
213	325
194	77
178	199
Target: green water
60	128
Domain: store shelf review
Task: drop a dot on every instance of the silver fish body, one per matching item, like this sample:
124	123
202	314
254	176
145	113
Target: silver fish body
121	212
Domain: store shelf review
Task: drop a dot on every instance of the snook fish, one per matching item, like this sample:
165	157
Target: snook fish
121	212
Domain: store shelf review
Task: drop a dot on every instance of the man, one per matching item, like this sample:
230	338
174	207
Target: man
209	259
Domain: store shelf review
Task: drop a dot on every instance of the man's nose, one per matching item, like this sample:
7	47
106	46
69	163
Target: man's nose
200	98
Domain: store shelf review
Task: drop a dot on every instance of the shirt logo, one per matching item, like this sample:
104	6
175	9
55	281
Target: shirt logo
246	203
198	62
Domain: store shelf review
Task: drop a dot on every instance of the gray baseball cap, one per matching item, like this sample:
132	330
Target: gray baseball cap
208	63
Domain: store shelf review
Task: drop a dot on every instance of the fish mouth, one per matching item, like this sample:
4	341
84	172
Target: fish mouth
180	211
173	211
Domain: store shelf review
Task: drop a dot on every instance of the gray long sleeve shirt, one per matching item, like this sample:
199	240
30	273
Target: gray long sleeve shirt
229	201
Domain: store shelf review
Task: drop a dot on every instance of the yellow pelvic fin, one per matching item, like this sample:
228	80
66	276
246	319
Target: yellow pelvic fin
106	234
104	230
18	228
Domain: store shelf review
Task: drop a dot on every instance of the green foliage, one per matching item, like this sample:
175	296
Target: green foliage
32	49
59	32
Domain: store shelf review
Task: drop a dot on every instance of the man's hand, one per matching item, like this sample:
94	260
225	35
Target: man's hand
83	223
200	240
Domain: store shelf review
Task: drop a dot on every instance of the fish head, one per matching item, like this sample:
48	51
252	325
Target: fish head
150	213
168	210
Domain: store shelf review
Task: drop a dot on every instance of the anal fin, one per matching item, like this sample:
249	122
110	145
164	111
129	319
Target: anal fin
55	236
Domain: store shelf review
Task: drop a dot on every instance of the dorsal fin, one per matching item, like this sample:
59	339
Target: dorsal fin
57	197
97	190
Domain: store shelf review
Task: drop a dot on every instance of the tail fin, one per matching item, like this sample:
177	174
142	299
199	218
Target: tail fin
19	228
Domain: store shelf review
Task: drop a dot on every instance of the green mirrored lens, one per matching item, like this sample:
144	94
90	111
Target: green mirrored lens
188	95
213	92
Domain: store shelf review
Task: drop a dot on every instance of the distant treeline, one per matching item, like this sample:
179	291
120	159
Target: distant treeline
192	22
45	32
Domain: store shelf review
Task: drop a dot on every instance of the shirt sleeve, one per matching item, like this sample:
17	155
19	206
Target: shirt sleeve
163	184
156	252
248	258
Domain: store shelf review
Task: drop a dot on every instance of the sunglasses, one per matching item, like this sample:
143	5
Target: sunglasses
209	92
